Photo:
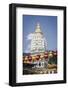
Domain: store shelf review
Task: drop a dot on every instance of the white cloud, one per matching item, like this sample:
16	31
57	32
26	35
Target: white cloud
30	36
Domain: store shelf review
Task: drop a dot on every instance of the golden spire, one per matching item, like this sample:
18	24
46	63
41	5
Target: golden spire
38	28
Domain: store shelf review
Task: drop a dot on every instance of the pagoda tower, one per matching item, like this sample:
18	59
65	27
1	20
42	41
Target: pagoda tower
38	43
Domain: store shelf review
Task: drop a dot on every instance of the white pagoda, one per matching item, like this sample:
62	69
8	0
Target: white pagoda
38	42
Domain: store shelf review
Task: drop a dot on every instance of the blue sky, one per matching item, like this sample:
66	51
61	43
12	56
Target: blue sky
48	26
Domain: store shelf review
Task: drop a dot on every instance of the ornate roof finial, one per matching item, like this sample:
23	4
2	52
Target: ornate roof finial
38	28
38	25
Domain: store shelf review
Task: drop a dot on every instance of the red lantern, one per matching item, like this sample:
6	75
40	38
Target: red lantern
30	58
46	56
37	57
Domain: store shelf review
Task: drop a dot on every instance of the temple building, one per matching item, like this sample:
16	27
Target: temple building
38	46
38	43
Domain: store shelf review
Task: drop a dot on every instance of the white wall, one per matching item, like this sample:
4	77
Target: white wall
4	37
